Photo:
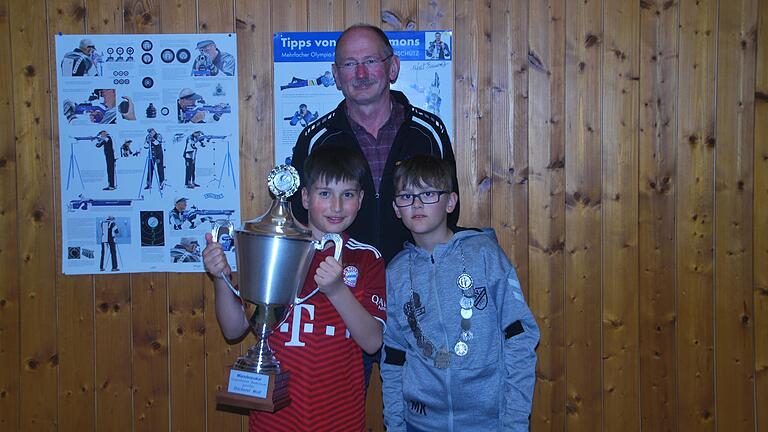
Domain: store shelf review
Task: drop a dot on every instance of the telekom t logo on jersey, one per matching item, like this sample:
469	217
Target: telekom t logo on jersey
301	325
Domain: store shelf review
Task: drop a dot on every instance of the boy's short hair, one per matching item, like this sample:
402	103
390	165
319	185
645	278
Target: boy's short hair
424	170
333	163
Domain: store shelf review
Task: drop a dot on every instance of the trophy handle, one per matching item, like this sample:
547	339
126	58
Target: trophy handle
338	242
215	232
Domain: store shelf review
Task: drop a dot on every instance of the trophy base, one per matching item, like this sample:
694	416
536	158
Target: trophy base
257	392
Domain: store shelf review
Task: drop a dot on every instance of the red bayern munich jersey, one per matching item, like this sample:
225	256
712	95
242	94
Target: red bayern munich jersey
327	387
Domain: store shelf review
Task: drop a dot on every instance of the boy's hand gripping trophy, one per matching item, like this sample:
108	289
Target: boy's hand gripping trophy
273	257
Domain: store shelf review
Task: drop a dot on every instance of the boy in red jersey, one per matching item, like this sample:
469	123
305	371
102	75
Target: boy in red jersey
320	342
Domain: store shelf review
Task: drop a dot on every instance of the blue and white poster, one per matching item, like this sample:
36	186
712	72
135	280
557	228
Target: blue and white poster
148	143
305	88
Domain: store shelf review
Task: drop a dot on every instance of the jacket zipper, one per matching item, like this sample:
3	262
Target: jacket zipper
445	340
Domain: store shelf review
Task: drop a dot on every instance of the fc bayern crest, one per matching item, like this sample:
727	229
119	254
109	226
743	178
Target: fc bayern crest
350	276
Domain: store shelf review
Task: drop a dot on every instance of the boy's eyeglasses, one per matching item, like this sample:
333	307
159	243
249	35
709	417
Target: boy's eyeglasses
370	63
427	197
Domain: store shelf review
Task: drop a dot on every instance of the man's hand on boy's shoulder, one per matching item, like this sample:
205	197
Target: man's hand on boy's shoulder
328	276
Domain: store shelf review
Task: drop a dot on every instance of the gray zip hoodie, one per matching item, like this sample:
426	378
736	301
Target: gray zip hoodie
490	387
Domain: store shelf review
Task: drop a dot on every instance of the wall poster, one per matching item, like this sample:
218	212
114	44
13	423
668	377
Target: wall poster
148	140
305	88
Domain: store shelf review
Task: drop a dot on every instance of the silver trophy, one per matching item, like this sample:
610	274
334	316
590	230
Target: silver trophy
273	257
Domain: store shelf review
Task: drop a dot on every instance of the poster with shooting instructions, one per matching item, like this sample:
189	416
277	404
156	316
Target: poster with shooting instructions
305	88
148	144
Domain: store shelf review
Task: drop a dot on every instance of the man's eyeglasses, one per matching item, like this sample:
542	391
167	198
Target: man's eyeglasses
427	197
370	63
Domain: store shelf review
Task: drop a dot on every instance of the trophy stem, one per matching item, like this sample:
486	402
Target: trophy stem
259	358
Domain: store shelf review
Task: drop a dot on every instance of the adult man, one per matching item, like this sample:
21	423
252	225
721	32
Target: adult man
105	140
108	232
187	250
379	122
186	101
211	61
438	49
79	62
179	214
154	143
384	126
190	157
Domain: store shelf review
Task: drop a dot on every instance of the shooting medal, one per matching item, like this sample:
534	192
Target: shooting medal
464	281
461	348
443	359
467	302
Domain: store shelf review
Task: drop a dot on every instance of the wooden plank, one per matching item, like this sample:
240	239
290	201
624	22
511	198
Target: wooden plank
289	16
760	235
186	335
437	15
694	215
35	219
9	289
112	296
584	29
149	314
656	230
546	215
75	324
329	17
509	132
621	74
149	294
186	318
362	11
472	98
399	15
734	312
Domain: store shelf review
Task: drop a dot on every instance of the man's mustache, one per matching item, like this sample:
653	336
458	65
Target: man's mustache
363	82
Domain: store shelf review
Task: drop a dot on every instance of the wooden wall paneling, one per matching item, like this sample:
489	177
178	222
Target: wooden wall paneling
75	323
112	298
621	75
362	11
399	15
583	132
436	14
10	288
186	298
472	110
36	219
327	17
734	313
149	313
546	215
694	215
760	235
149	294
656	214
187	335
216	16
508	152
290	16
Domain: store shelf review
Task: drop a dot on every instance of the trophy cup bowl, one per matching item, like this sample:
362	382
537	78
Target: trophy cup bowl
273	257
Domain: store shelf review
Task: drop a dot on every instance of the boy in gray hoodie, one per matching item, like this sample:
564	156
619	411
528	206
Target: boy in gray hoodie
459	349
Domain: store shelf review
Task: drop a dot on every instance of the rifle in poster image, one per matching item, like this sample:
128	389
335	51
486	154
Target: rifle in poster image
180	214
83	203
